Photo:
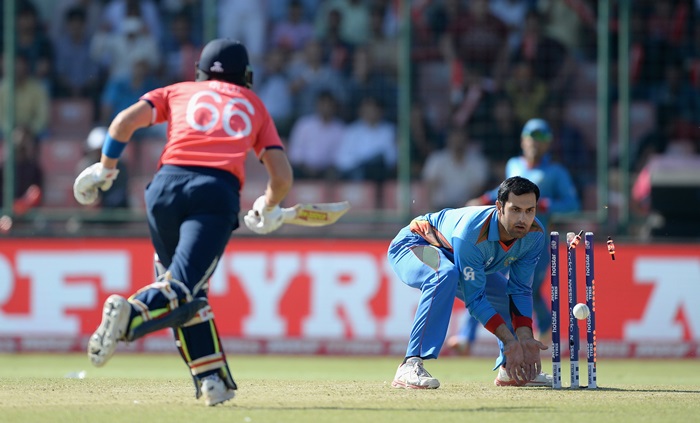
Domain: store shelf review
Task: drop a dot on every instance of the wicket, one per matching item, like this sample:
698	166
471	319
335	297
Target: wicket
572	241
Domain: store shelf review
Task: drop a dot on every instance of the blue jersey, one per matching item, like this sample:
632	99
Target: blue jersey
554	181
471	235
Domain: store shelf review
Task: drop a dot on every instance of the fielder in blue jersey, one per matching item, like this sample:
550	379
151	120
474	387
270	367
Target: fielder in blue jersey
558	195
449	254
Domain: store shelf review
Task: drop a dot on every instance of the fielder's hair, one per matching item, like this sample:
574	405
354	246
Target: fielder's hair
518	186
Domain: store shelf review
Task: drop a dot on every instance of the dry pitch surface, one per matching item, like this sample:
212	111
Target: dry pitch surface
156	388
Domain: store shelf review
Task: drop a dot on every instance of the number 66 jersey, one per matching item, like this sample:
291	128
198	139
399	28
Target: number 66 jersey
212	124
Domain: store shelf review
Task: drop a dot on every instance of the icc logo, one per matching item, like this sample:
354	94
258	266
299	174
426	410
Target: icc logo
468	273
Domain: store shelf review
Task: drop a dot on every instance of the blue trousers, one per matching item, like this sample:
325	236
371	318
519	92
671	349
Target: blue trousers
433	271
191	214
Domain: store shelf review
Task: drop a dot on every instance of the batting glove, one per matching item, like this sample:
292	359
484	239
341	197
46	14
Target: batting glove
263	219
86	184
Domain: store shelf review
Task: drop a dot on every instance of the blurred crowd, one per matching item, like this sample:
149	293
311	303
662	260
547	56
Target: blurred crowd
328	71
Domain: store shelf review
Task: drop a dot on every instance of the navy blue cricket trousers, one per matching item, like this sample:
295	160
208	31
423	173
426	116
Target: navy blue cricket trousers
191	214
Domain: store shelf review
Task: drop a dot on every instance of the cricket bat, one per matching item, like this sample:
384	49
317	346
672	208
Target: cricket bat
315	214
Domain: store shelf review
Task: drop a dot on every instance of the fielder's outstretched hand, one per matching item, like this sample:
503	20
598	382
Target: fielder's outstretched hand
515	362
531	356
95	176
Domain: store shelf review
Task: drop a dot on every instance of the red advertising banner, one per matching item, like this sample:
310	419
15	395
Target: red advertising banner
325	296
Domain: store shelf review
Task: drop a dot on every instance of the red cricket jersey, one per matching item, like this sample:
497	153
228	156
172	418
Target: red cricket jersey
212	124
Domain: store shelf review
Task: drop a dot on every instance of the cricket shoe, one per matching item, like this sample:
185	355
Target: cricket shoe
116	313
214	390
412	375
542	379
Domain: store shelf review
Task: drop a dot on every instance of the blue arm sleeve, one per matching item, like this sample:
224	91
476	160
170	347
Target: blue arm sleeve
473	280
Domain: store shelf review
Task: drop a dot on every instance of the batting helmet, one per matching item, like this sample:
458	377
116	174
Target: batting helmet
226	60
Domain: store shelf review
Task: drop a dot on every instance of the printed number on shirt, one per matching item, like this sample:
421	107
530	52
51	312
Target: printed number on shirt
230	112
468	273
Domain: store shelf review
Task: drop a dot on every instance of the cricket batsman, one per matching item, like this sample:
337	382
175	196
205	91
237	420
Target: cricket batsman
192	206
448	254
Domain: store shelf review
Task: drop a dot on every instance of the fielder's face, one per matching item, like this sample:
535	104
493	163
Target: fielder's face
516	215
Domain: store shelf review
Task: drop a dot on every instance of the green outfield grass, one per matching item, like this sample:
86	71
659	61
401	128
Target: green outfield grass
156	388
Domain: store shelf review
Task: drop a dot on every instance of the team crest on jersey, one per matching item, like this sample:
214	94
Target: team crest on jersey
216	67
468	274
508	261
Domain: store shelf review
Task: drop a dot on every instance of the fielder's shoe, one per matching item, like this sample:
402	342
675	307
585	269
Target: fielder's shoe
502	379
412	375
214	390
115	320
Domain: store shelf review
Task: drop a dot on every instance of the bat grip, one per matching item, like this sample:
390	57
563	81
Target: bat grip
288	213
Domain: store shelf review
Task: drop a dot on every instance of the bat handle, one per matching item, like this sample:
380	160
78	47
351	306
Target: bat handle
288	213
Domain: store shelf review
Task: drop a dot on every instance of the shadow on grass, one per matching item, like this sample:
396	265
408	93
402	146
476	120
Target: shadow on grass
612	389
424	410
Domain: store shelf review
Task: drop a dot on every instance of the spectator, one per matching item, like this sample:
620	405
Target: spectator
473	45
676	93
476	40
31	99
293	32
456	173
28	172
122	92
512	13
76	73
315	138
367	150
501	129
33	44
278	10
354	23
193	10
527	93
93	16
180	50
118	195
119	52
367	81
390	16
571	23
244	21
383	49
650	55
423	139
429	23
336	52
570	149
274	90
549	59
309	75
117	14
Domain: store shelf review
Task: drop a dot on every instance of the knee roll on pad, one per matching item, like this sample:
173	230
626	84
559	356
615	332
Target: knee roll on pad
166	303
